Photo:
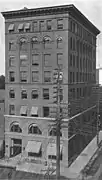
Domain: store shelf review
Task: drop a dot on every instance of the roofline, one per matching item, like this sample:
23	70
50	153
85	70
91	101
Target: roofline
48	10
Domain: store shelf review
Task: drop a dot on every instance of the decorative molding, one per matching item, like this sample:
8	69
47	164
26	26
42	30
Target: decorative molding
64	9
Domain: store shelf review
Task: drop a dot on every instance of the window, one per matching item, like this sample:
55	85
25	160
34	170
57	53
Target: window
35	59
47	76
77	76
47	42
23	60
47	59
15	127
35	26
34	129
70	60
11	109
11	61
23	44
73	77
21	28
11	28
23	111
34	42
59	42
42	26
45	111
27	27
35	76
24	94
34	94
11	45
12	76
73	60
60	59
45	93
71	43
12	93
53	132
60	24
70	77
51	151
23	76
49	24
78	92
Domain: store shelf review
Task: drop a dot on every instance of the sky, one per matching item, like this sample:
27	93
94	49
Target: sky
92	9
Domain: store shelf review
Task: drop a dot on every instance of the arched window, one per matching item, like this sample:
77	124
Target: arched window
23	44
59	42
47	42
34	129
15	127
34	42
53	132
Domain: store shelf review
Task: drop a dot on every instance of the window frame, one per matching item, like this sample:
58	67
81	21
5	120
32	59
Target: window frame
36	60
44	109
23	94
45	95
24	77
35	78
47	79
59	26
36	94
48	26
11	95
11	78
11	112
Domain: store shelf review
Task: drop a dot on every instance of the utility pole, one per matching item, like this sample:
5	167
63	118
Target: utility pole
58	76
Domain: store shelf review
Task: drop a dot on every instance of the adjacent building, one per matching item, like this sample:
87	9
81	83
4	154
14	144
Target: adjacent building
36	42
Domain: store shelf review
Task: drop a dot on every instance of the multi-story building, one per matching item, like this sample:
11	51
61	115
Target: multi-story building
2	111
36	42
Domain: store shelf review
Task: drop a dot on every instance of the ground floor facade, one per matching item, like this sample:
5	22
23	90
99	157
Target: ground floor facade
35	137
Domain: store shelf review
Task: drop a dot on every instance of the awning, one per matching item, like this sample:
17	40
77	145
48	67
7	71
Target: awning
51	149
33	146
11	27
34	110
27	26
23	56
23	110
20	26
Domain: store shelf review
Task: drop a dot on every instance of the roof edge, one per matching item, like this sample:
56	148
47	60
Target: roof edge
48	10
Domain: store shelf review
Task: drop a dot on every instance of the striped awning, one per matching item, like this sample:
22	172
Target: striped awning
11	27
21	26
51	149
34	110
33	146
23	110
27	26
23	56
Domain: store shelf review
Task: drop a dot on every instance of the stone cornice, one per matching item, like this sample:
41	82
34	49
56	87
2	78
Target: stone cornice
71	9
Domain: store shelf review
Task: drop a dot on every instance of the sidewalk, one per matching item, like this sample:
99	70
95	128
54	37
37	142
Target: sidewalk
75	170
